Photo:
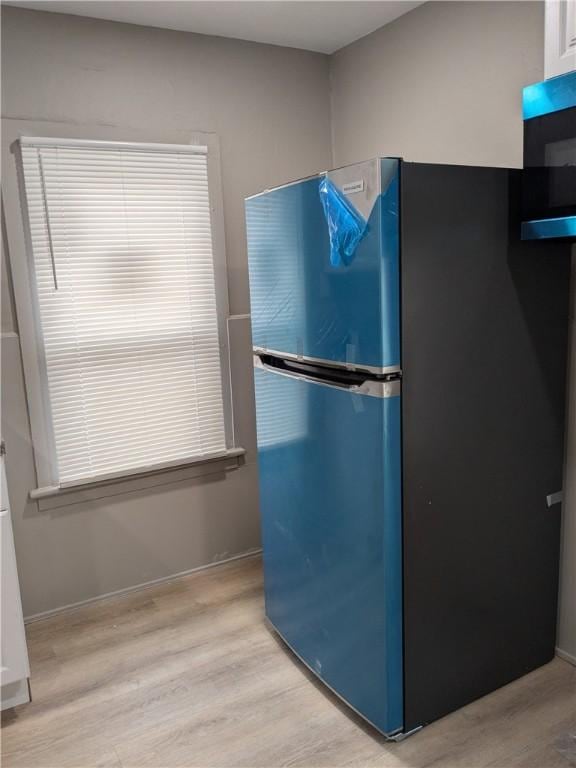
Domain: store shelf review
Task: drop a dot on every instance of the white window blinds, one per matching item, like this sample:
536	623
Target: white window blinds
122	250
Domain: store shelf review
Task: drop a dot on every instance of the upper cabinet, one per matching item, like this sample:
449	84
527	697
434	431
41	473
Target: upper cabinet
560	47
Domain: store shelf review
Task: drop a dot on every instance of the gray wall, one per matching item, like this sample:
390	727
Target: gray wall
567	618
270	108
440	84
443	84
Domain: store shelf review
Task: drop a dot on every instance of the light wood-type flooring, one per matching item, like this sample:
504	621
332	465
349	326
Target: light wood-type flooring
187	674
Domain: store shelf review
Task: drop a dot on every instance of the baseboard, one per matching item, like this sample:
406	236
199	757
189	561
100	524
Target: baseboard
137	587
566	656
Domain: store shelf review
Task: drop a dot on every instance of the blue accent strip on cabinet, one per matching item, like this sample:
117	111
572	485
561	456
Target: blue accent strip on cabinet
546	229
549	96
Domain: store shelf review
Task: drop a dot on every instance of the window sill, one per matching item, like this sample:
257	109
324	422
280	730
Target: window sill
52	497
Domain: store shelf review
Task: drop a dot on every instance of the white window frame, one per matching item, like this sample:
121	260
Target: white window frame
27	311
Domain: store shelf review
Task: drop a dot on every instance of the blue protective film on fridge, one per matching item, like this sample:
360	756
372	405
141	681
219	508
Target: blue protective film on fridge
330	476
346	226
301	304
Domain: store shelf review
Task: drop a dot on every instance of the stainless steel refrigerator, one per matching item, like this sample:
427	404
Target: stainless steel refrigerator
409	362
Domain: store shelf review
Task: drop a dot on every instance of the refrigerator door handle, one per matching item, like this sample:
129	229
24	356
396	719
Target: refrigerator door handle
367	386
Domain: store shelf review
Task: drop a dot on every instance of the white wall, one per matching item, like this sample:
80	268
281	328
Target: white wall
270	109
443	84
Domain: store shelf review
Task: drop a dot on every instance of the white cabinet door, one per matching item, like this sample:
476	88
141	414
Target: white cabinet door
13	653
560	40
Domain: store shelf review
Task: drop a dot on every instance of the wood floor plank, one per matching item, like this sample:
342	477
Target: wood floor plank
185	674
536	757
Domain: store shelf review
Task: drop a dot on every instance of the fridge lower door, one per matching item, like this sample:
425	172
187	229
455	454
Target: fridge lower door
329	466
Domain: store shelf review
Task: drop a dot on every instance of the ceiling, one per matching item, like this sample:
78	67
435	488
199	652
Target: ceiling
322	26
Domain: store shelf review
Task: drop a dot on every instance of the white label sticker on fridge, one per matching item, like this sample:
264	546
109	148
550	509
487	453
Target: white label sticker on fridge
353	186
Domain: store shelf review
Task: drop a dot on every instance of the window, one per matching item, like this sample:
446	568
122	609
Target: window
124	285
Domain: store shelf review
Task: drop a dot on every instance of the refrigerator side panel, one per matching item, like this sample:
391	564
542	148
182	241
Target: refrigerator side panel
304	302
484	343
329	468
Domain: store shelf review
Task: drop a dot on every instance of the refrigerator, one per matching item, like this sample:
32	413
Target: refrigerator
409	361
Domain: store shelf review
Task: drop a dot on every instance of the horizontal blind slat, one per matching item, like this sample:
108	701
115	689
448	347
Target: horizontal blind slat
131	339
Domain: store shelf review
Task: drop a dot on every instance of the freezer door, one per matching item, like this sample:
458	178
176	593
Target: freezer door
303	305
329	468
